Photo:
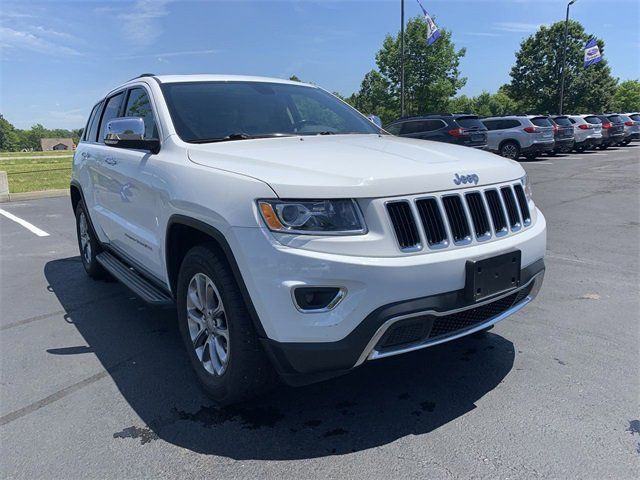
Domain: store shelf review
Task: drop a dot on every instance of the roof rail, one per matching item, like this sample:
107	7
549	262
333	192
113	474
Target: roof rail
143	75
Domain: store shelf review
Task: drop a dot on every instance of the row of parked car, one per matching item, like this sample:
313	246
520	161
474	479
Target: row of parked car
513	136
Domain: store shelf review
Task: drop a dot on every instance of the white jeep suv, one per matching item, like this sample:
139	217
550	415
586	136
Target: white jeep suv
294	236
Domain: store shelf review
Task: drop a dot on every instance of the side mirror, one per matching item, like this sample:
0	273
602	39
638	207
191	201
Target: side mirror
128	132
375	120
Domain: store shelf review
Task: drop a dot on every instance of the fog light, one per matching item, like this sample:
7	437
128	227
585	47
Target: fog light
317	299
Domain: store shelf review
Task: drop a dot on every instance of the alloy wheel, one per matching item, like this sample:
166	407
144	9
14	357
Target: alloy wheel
85	240
207	323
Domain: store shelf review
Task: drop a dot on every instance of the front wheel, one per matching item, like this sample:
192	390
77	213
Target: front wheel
217	330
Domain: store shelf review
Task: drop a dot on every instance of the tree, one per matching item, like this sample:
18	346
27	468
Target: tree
432	72
374	97
535	77
627	97
485	104
9	140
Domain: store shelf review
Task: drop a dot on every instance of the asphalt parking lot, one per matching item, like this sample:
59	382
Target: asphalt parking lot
96	385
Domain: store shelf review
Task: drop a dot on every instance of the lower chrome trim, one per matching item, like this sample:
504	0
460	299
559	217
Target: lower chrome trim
370	353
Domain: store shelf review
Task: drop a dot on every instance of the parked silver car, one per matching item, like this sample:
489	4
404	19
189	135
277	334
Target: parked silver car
587	135
612	130
515	135
631	127
562	134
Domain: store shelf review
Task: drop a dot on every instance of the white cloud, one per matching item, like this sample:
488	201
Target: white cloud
482	34
24	40
517	27
141	24
47	32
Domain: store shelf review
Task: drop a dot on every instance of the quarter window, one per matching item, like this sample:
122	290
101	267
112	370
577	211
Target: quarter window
92	116
95	120
394	129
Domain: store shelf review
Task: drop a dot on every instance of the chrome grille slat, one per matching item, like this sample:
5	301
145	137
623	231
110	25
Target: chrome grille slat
456	219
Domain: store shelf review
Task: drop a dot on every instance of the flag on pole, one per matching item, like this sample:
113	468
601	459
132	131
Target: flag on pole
432	30
592	53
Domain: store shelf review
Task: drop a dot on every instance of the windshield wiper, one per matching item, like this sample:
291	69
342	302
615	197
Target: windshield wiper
238	136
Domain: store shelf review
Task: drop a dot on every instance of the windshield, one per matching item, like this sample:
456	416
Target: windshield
541	122
616	119
563	121
470	122
217	111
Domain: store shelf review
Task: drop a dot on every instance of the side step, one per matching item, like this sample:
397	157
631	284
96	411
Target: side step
134	281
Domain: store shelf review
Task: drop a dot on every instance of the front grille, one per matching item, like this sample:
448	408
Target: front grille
432	221
512	209
522	203
431	327
478	215
458	219
404	224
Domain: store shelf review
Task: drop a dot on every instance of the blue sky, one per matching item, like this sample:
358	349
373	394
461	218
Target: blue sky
58	57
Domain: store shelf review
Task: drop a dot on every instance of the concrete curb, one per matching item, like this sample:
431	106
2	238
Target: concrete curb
16	197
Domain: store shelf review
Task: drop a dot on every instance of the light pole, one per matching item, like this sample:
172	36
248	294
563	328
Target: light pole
402	58
564	56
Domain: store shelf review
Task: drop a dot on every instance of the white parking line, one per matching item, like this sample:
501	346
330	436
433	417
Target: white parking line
539	163
24	223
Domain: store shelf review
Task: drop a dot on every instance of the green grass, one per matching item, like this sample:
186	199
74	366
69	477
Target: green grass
30	175
35	154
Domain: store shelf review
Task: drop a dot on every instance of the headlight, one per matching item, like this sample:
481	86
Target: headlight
313	217
526	184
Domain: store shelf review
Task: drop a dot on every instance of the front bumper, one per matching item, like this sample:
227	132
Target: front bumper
303	363
321	343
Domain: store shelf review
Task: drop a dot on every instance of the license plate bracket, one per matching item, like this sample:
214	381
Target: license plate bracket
493	275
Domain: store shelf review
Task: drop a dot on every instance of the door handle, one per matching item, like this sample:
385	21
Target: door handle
110	160
85	155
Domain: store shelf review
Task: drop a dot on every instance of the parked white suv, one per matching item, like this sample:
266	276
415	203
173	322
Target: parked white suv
294	235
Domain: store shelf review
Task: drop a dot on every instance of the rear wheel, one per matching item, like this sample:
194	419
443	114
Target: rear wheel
217	330
604	146
531	156
510	150
88	244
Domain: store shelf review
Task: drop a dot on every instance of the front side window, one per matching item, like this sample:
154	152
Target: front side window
139	105
111	111
218	111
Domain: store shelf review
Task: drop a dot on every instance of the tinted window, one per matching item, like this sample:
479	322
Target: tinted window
541	122
635	117
394	129
491	124
93	129
504	124
563	121
572	121
592	119
616	119
92	118
139	105
210	111
111	111
469	122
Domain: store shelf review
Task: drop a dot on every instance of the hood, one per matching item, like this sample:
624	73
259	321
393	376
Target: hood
355	166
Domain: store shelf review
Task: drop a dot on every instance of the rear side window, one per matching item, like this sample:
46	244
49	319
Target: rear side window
563	121
541	122
636	117
111	111
593	119
505	124
491	124
139	105
469	122
616	119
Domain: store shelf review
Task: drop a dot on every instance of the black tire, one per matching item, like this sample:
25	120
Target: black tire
510	149
553	153
88	244
247	371
603	146
531	156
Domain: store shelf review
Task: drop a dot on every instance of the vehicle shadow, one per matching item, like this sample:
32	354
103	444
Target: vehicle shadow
383	401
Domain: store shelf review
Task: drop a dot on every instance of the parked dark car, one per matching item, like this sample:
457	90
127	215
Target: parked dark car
459	128
612	133
562	134
618	123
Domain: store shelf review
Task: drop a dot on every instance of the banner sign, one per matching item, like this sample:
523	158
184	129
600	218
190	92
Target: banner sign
432	30
592	53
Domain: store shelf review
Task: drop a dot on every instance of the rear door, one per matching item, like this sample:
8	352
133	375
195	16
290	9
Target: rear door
475	131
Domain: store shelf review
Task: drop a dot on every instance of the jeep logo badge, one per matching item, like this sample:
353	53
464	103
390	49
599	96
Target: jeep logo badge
473	178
